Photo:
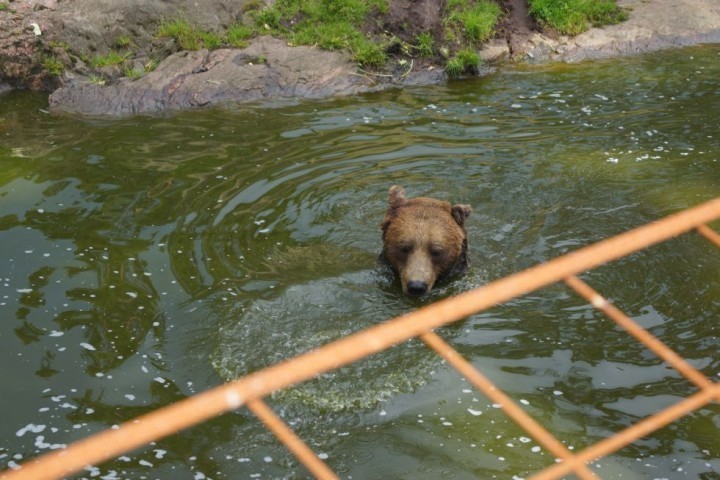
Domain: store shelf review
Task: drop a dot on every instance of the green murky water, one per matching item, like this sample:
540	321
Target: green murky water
147	259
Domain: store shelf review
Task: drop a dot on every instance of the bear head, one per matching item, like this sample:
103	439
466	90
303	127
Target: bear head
424	239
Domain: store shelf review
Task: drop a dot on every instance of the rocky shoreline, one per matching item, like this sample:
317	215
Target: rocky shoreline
37	30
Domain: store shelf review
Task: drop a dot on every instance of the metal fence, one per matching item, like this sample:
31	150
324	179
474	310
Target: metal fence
250	390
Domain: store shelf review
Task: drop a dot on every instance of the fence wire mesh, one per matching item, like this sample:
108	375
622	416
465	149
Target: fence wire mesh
250	390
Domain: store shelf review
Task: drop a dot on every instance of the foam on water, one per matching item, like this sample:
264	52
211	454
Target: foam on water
306	316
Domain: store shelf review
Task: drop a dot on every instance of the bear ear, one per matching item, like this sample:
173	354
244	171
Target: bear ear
460	213
397	196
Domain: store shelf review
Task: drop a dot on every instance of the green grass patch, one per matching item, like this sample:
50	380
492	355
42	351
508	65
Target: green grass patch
188	37
151	65
61	45
133	73
340	25
52	65
211	40
368	53
269	17
330	36
464	61
182	32
110	59
424	44
329	24
476	21
571	17
123	41
237	35
96	80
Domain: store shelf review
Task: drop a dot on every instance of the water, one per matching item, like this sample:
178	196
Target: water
150	258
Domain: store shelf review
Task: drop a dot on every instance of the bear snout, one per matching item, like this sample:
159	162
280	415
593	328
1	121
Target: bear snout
418	274
417	287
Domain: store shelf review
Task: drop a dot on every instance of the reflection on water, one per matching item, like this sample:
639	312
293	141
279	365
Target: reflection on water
149	258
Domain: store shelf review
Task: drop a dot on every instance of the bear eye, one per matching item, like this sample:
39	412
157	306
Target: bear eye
436	252
405	249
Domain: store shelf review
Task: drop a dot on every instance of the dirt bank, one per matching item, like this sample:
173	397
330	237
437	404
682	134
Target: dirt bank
50	45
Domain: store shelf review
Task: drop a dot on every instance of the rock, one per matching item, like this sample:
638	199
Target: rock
45	4
267	69
653	25
92	27
495	51
539	48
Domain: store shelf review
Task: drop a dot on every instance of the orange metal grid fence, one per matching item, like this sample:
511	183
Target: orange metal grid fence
250	389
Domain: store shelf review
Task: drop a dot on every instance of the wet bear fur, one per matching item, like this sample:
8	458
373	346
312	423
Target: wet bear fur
424	240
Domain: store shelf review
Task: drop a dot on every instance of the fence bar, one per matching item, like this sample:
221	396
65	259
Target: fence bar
532	427
632	433
294	443
173	418
710	234
642	335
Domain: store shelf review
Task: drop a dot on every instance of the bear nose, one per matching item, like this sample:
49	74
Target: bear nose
417	287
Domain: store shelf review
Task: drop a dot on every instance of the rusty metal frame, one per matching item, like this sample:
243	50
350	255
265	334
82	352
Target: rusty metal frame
250	390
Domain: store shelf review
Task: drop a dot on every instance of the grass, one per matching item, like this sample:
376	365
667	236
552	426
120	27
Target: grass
96	80
110	59
269	18
339	25
182	32
424	44
188	37
464	61
133	73
123	42
61	45
329	24
467	24
571	17
211	40
151	65
368	53
330	36
52	65
238	34
476	21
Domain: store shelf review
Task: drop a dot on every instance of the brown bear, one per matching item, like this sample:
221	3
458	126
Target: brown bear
424	239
